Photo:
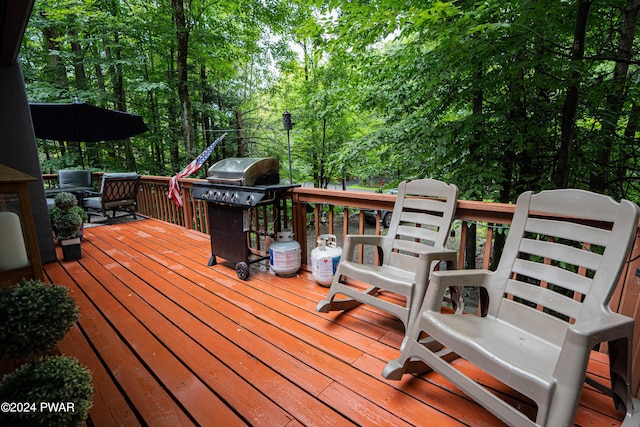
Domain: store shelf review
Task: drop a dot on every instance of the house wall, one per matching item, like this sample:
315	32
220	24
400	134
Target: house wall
18	150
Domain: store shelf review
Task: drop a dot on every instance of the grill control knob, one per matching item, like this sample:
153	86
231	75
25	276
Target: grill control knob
250	199
225	196
234	197
216	195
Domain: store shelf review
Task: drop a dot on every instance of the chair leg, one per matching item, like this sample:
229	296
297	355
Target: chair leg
330	304
620	373
395	369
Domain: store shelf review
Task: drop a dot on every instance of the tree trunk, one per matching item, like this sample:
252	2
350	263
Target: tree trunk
91	150
99	79
112	150
78	63
630	144
240	135
206	120
172	114
615	99
156	144
476	108
570	107
323	155
51	37
182	33
121	103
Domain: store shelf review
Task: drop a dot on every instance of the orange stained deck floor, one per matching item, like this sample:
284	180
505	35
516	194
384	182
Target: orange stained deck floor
171	342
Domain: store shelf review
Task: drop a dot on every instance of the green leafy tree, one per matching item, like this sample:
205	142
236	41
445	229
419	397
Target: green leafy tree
498	97
187	68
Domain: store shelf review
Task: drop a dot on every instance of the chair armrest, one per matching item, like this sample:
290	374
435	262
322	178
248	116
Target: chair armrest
429	256
442	280
607	327
471	278
364	239
438	254
352	240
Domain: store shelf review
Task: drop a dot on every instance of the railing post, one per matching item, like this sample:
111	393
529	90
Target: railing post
187	208
463	245
299	219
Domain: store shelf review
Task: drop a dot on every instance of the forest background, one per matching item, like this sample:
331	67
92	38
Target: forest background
497	97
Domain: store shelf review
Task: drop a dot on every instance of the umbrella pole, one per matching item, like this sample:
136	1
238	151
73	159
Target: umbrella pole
80	152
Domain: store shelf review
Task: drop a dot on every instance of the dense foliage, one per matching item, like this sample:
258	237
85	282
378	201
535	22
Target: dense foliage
190	69
500	97
495	96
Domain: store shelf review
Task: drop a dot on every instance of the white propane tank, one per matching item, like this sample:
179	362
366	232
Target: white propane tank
284	254
324	259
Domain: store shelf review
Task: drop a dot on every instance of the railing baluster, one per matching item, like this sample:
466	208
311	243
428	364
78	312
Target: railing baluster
486	262
345	223
331	218
361	221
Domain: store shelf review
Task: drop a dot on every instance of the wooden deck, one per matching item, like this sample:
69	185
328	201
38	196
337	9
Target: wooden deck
171	341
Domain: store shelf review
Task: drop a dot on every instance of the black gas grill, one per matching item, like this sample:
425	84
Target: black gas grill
234	188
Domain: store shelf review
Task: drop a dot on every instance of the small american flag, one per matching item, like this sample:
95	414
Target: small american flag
174	187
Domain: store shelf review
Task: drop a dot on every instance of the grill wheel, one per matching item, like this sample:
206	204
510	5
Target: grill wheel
242	268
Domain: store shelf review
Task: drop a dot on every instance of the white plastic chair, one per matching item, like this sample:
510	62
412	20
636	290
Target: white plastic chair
548	307
413	246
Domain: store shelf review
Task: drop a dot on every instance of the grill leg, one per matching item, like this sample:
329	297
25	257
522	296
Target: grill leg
212	261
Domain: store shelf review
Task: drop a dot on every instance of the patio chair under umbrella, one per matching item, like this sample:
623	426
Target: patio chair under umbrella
82	122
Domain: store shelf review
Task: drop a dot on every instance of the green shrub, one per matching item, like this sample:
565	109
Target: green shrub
34	316
59	380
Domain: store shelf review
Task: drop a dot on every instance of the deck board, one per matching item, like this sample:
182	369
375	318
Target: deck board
172	341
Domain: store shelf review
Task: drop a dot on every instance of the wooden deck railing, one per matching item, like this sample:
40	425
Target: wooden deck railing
312	211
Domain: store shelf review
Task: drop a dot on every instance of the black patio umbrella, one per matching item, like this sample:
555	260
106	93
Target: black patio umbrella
82	122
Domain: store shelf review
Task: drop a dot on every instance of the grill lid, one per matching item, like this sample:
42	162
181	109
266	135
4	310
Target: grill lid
249	171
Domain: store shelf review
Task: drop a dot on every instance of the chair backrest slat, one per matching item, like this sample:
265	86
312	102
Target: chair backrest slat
568	230
424	204
558	276
413	232
537	294
561	253
421	218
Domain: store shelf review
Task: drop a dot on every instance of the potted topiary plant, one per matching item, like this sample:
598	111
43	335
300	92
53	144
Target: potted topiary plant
60	383
67	219
34	317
